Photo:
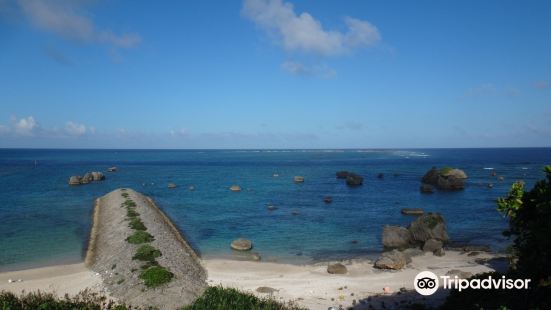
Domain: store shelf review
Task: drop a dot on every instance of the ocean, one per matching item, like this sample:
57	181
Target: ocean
44	221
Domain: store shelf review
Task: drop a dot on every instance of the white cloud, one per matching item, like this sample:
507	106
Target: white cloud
304	33
66	18
24	126
297	68
75	129
179	133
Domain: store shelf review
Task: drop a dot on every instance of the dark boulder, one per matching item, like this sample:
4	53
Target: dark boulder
429	226
412	211
342	174
444	179
396	237
328	199
337	268
426	189
354	180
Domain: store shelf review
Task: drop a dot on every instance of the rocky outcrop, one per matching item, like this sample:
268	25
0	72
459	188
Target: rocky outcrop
235	188
412	211
342	174
298	179
171	185
112	169
241	244
396	237
426	189
429	226
337	268
394	259
87	178
445	178
354	180
432	245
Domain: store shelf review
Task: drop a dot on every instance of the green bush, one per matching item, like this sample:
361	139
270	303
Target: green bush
155	276
129	203
139	237
146	253
137	224
131	213
85	300
217	297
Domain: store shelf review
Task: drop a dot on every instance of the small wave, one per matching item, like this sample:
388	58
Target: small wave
488	168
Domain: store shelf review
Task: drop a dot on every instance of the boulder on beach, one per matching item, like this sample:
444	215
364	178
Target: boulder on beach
426	189
328	199
394	259
171	185
235	188
412	211
429	226
458	273
445	179
337	268
396	237
354	180
298	179
342	174
241	244
74	180
432	245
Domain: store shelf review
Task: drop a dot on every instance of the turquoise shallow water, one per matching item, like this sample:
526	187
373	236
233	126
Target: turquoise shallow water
45	221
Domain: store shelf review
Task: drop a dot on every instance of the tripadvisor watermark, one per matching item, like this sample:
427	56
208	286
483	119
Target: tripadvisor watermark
427	283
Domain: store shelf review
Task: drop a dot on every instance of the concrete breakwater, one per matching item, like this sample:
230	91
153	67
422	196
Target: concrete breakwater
116	254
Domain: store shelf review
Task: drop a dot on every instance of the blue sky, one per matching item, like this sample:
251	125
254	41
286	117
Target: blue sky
275	74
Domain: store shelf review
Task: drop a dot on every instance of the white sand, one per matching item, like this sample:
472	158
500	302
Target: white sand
312	287
61	280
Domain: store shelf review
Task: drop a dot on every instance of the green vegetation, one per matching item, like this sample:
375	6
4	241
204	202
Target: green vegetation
444	171
529	214
125	195
229	298
137	224
155	276
120	281
140	237
47	301
129	203
146	253
131	213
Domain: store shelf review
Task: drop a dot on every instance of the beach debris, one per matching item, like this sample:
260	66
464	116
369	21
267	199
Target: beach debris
387	290
10	281
426	189
394	259
171	185
235	188
241	244
298	179
412	211
328	199
432	245
266	290
396	237
256	257
354	180
337	268
112	169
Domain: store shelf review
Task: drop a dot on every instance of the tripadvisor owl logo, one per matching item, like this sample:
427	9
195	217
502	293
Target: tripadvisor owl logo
426	283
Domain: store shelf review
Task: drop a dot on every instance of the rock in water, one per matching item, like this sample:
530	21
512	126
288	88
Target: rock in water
342	174
354	180
394	259
381	176
444	179
87	178
298	179
235	188
432	245
328	199
337	268
112	169
171	185
241	244
431	177
429	226
396	237
74	180
426	189
412	211
97	176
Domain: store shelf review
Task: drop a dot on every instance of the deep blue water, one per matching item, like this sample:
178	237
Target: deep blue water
45	221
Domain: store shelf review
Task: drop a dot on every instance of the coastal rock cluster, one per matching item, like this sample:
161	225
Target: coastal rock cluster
427	233
444	179
352	179
87	178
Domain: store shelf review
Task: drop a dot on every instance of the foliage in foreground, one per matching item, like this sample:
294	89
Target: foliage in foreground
529	214
217	297
139	237
155	276
85	300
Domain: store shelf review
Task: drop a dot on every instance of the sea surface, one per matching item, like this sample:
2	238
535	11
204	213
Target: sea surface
45	221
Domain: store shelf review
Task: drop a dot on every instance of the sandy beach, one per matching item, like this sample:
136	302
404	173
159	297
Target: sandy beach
60	280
